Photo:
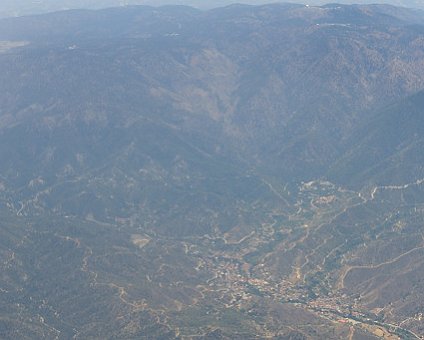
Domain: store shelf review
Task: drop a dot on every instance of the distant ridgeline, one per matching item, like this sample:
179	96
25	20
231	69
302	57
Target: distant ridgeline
14	8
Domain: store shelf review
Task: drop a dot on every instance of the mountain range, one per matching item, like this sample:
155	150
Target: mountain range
241	172
14	8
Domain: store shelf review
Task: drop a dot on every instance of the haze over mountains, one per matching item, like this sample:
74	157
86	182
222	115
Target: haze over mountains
243	172
10	8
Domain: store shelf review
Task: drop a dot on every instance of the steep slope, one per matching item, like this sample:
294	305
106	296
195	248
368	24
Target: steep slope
387	149
283	88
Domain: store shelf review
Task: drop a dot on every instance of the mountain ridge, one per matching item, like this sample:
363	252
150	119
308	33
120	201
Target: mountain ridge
19	8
